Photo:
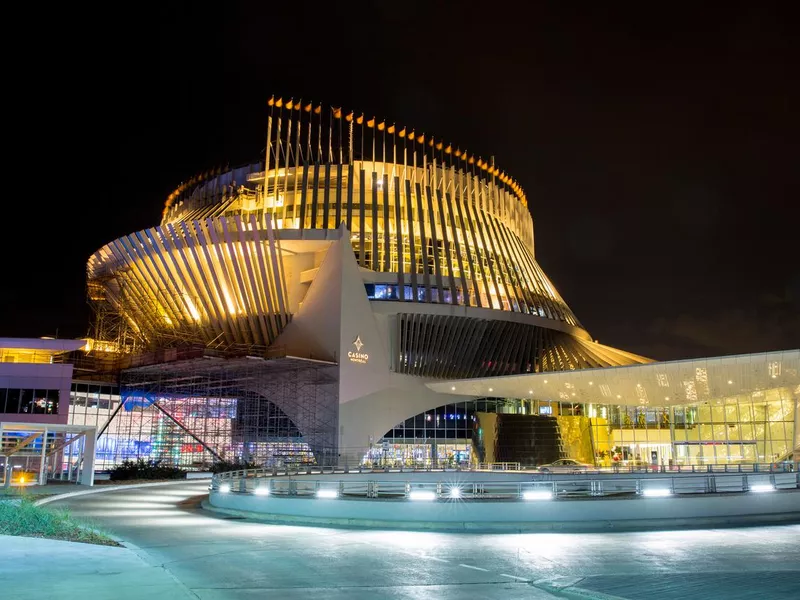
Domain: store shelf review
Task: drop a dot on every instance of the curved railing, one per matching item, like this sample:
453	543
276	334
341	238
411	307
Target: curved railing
538	487
784	467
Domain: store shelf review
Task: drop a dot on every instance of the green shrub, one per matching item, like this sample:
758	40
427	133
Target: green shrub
20	516
225	465
142	469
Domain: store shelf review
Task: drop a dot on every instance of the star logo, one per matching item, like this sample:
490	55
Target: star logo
358	344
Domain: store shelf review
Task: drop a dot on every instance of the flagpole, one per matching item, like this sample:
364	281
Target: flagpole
279	104
268	148
310	125
330	135
350	145
341	159
318	111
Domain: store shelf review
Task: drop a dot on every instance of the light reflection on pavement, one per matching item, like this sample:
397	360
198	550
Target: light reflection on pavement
219	557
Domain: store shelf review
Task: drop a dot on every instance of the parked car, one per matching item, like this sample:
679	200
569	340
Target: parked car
565	465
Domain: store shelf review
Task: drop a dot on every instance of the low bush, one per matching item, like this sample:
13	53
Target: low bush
142	469
20	516
225	465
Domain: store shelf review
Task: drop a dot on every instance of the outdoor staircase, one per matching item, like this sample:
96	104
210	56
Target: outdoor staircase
528	439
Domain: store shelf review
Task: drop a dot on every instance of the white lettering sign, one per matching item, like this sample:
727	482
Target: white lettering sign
358	356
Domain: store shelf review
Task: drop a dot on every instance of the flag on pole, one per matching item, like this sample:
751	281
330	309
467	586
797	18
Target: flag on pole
449	149
279	102
371	123
307	107
318	110
271	101
382	126
360	120
337	113
349	118
402	132
440	145
391	129
289	104
421	138
411	136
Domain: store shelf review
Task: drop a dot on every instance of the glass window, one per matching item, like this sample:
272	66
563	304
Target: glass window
13	401
52	401
26	401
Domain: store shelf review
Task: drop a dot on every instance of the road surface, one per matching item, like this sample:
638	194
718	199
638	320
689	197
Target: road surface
231	558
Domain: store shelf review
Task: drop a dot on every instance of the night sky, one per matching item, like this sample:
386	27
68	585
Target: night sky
659	149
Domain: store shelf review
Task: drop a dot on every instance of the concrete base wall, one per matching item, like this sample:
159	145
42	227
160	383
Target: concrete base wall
575	515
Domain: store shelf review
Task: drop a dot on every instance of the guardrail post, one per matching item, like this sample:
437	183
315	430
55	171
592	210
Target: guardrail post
438	489
745	484
638	487
243	485
341	487
407	488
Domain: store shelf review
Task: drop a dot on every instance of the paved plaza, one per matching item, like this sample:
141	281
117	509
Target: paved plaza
211	558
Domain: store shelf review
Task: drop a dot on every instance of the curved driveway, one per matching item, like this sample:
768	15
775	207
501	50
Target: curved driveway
217	557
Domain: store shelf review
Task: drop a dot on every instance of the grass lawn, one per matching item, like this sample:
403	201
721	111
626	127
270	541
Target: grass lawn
19	516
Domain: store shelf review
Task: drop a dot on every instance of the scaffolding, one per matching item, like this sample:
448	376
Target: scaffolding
32	453
209	408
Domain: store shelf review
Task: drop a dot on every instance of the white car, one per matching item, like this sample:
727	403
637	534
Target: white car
565	465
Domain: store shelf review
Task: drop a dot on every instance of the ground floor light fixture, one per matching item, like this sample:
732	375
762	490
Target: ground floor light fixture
422	495
537	495
656	493
762	487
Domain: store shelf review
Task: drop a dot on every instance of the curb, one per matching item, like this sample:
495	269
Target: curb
110	488
509	527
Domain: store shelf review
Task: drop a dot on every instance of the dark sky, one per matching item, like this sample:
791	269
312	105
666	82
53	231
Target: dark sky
659	148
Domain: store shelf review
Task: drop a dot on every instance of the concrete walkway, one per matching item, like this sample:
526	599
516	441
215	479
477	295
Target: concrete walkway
218	558
54	570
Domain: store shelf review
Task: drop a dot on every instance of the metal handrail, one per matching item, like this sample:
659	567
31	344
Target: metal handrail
540	489
782	467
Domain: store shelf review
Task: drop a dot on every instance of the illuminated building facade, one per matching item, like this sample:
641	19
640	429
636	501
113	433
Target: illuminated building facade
365	255
723	410
35	433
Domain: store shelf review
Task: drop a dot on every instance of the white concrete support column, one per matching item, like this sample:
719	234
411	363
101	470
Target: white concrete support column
673	454
796	428
69	461
87	474
43	461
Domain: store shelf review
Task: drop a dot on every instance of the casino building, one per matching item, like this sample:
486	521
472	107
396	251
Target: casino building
298	306
366	293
